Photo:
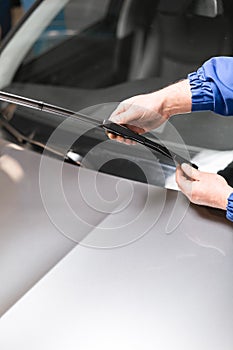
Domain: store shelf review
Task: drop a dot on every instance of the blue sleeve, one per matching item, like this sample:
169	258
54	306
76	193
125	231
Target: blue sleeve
229	214
212	86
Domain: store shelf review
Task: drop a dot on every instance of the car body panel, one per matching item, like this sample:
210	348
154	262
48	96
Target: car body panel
160	290
29	251
157	287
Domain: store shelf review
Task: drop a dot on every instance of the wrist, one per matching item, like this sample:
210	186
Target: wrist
176	99
223	201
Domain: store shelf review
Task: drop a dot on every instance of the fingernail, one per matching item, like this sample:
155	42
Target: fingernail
185	166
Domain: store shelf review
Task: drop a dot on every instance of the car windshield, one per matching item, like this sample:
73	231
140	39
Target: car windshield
88	56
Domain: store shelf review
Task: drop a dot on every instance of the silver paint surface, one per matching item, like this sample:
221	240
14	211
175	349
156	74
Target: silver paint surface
164	291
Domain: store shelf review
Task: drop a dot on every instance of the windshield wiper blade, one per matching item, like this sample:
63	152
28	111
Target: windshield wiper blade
127	133
107	125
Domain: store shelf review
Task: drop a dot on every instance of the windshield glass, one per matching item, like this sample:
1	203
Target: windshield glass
83	55
71	21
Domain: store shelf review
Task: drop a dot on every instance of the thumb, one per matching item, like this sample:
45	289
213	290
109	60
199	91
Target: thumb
129	119
191	172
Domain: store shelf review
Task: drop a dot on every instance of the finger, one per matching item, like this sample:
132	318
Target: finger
183	183
128	114
111	136
120	109
123	117
135	128
130	142
191	172
179	174
115	137
120	139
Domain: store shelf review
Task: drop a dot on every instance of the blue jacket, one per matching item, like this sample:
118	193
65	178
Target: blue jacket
212	86
212	89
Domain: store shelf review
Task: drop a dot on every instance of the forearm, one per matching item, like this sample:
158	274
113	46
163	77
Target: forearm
175	99
209	88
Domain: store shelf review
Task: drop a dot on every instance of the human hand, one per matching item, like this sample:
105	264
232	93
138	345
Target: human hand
137	114
146	112
203	188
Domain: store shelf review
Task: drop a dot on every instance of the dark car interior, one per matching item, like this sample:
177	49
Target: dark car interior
137	47
136	40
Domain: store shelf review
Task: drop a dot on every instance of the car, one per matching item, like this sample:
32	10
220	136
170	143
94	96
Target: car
99	248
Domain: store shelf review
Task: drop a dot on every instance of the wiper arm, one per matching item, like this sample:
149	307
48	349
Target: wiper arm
25	139
70	155
45	107
106	125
